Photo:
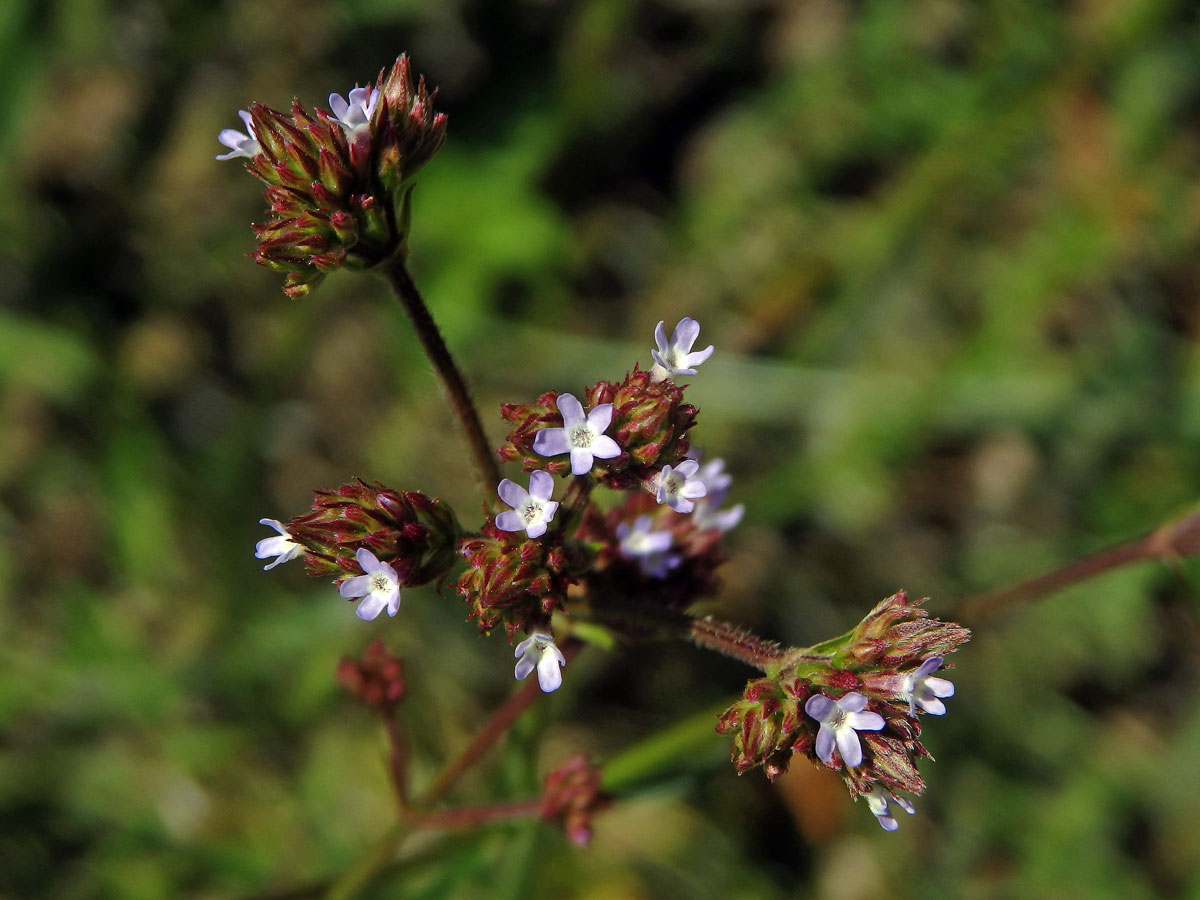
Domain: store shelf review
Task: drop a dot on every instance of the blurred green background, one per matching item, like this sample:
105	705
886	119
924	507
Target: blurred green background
948	253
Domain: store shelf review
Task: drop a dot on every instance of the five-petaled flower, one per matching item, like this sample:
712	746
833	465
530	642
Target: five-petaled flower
840	722
354	116
921	688
538	651
240	144
581	436
677	356
705	515
879	801
531	509
379	586
648	547
678	486
282	546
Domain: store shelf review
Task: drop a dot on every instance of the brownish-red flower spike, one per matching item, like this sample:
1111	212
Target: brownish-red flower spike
377	679
572	796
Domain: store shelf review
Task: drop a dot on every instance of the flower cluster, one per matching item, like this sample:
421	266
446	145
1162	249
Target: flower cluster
851	704
377	679
338	181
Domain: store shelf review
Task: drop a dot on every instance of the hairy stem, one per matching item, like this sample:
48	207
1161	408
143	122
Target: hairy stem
448	372
1171	540
709	633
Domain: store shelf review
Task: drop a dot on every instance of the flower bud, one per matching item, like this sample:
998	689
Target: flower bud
572	796
512	579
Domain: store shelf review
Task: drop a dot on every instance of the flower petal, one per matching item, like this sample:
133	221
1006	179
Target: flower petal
371	606
865	721
535	529
694	359
358	586
523	647
549	673
600	418
685	334
393	601
571	410
581	460
928	667
541	485
660	338
604	447
512	494
550	442
825	744
338	106
510	520
523	668
818	706
940	687
367	561
932	705
853	702
849	746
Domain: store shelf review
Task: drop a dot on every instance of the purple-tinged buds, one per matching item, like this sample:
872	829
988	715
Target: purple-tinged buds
414	534
513	580
338	184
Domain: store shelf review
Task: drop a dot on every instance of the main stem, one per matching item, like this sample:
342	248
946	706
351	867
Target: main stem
448	372
1171	540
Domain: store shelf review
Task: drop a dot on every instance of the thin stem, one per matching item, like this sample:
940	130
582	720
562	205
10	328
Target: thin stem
708	633
1171	540
472	816
448	372
397	759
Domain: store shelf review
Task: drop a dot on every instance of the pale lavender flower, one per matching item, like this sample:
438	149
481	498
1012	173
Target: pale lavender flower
648	547
921	688
581	436
879	801
240	144
531	509
283	547
706	516
677	356
840	723
678	486
379	586
354	116
538	651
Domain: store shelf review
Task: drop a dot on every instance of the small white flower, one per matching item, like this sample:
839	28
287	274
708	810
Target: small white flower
678	486
282	547
879	801
379	586
648	547
840	724
581	436
531	509
921	688
354	116
538	651
677	357
240	144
